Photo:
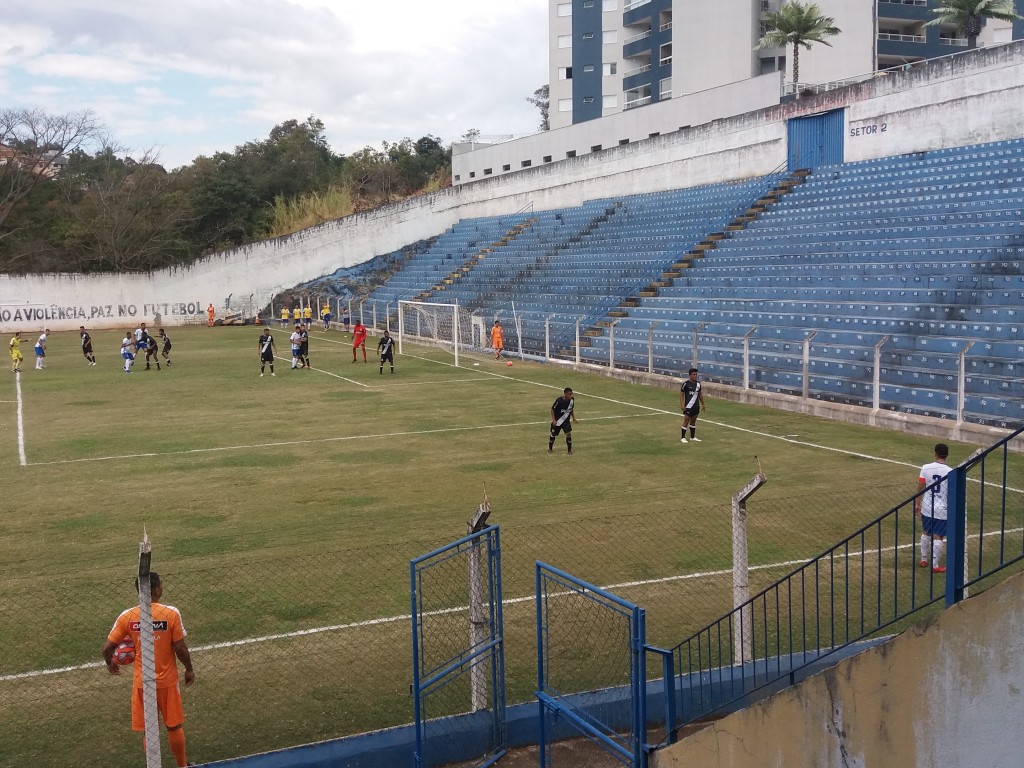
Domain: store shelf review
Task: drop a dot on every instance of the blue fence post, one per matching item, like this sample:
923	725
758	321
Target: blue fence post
415	664
540	668
956	534
640	687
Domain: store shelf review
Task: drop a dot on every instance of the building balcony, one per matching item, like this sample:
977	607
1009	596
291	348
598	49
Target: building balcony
629	6
959	41
888	36
638	71
634	103
634	38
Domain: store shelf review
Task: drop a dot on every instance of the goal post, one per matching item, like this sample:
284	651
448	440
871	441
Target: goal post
431	324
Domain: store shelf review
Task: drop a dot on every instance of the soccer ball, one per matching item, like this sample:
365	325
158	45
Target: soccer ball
509	363
124	654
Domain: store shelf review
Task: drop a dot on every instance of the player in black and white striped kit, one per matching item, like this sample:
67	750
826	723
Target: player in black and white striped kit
562	417
691	400
266	347
386	350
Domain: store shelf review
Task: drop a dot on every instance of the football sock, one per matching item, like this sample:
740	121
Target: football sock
937	549
682	433
924	546
176	740
693	431
568	443
392	369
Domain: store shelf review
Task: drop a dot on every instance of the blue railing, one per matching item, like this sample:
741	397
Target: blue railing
865	585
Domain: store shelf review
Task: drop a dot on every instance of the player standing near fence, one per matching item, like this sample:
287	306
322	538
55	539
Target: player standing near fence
83	334
497	339
562	417
933	506
168	644
691	400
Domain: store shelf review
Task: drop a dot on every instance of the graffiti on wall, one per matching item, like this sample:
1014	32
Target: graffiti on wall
43	312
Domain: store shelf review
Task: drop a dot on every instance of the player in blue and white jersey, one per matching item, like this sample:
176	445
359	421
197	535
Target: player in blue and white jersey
127	353
932	506
40	350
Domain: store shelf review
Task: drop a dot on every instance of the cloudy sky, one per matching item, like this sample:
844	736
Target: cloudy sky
193	77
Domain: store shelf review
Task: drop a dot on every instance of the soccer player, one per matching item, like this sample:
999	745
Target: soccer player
359	340
933	507
151	352
325	315
127	344
296	340
16	356
140	337
284	317
296	315
166	350
386	350
211	314
497	339
90	358
307	316
344	318
691	400
40	350
266	345
562	416
169	647
304	345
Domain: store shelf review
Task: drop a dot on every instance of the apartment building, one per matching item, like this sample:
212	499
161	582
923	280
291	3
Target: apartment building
607	56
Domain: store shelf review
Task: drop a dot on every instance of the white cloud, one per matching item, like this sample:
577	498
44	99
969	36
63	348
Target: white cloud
234	69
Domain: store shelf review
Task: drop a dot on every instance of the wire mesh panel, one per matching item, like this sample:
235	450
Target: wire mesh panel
458	651
591	674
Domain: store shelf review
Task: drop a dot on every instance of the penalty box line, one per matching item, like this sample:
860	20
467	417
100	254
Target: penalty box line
315	441
461	609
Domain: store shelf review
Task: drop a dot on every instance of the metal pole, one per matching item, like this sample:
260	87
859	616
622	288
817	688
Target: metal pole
547	337
650	346
807	364
696	331
876	385
746	357
961	387
578	340
743	651
611	344
477	626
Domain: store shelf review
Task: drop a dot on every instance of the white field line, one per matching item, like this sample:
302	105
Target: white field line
319	441
21	422
459	609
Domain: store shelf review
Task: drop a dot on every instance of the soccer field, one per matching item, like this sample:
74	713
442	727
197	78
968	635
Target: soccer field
283	512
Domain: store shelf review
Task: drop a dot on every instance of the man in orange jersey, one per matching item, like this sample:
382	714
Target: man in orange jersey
497	339
211	315
169	643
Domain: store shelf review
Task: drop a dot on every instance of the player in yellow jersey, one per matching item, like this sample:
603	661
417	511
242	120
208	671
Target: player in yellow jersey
168	644
307	316
16	356
284	317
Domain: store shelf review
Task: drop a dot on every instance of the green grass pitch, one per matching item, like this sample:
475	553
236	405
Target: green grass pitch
283	505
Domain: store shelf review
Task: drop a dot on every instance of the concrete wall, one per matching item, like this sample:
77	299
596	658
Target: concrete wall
947	692
958	101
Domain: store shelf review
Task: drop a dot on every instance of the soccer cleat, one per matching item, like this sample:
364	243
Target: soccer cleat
695	440
550	450
682	440
273	374
570	451
922	564
939	569
261	375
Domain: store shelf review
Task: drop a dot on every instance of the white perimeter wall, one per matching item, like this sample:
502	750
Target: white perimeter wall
959	101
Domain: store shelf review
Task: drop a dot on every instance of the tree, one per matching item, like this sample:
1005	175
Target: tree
797	24
32	144
969	15
541	99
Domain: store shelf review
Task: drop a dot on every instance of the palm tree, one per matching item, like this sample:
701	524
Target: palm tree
969	15
797	24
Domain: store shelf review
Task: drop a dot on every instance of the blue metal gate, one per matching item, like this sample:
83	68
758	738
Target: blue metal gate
591	668
458	652
815	140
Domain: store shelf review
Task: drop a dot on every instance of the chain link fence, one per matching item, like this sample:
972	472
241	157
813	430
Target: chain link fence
291	649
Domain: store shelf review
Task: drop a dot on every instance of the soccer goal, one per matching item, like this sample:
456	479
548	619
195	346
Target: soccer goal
432	324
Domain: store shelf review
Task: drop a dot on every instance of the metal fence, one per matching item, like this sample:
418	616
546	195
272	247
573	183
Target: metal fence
458	658
871	582
293	648
588	636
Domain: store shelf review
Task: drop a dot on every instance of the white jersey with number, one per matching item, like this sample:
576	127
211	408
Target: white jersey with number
934	502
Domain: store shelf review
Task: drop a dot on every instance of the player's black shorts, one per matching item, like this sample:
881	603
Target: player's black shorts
692	412
388	356
565	426
87	349
167	347
267	357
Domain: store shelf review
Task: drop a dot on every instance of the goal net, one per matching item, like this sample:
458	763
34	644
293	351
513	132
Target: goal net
431	324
